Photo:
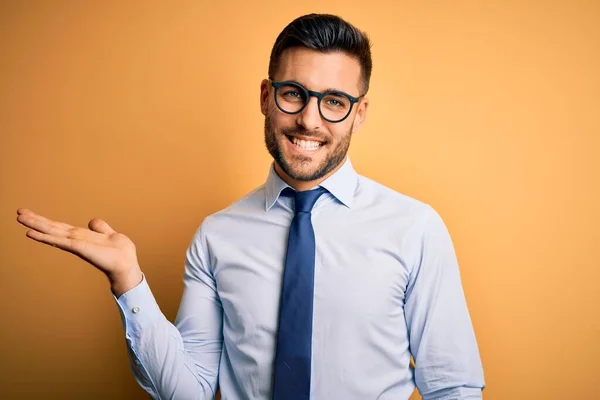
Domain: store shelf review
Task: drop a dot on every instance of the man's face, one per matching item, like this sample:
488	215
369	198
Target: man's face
304	146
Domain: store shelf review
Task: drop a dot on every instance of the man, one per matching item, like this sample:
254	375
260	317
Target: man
319	284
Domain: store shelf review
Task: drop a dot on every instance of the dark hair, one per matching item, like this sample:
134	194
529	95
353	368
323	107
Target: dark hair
325	33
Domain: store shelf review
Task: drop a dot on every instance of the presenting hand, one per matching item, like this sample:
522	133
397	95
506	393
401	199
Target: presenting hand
111	252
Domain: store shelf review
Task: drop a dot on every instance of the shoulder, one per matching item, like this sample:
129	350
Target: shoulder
251	205
371	193
220	226
413	215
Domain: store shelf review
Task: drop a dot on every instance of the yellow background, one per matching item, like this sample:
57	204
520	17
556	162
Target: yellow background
147	114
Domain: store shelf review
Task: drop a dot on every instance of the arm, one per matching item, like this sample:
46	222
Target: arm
182	361
442	340
168	362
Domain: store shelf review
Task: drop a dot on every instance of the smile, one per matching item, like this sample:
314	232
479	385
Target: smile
305	144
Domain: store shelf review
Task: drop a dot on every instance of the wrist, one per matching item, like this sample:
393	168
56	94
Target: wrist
124	282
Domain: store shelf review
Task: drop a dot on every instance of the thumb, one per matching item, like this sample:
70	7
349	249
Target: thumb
98	225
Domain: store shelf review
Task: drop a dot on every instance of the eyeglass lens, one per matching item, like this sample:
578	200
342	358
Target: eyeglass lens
333	106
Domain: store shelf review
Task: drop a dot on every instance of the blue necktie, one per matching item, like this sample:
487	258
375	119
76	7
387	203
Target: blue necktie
294	337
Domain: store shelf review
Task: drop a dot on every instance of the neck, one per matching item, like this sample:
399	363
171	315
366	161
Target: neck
304	185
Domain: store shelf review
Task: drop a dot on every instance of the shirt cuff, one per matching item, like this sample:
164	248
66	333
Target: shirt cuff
462	393
138	309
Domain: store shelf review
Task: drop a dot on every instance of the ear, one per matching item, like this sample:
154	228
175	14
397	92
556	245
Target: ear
264	96
361	114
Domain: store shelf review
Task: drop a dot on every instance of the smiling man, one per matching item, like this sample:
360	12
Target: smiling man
320	284
312	140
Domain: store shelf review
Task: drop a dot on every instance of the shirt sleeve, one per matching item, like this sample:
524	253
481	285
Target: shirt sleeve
442	339
178	361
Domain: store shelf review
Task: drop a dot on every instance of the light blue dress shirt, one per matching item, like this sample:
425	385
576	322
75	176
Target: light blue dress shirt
387	286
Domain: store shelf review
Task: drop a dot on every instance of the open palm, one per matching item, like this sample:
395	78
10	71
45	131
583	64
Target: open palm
111	252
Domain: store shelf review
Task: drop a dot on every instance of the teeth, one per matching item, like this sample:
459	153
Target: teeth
306	144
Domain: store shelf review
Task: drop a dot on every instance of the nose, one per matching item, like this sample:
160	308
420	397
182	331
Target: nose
310	118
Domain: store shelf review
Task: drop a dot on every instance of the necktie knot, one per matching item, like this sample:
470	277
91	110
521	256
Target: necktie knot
305	200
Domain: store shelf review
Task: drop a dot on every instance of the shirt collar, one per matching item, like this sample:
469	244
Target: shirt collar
342	185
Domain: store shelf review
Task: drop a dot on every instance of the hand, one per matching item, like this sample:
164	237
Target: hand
111	252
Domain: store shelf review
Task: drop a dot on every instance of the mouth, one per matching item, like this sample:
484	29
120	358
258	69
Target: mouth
304	143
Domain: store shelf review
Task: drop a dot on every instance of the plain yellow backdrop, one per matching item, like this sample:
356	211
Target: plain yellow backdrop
146	114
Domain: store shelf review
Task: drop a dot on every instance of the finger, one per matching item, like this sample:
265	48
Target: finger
43	224
21	211
25	211
78	247
61	242
100	226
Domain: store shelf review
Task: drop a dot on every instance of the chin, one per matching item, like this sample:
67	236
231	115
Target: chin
304	170
304	164
305	175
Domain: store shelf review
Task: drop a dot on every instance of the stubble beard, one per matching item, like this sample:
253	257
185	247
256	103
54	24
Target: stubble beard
297	167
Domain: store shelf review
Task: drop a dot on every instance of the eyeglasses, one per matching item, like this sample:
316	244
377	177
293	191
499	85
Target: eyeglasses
292	98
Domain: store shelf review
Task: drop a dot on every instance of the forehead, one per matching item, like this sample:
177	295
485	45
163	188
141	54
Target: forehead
320	71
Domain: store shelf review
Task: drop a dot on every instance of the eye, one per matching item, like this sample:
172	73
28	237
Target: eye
292	93
334	100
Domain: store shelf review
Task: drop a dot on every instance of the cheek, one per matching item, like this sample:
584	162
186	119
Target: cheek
276	126
340	131
274	114
280	121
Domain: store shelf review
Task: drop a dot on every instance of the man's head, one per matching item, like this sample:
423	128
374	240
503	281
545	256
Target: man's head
322	54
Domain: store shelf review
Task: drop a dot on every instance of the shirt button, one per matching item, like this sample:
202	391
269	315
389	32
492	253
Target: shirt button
136	310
